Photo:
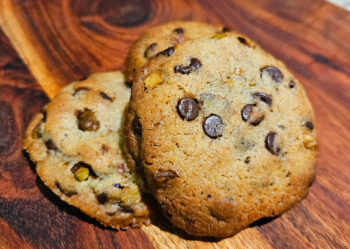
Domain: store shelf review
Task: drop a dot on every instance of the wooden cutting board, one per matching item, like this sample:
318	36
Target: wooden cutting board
61	41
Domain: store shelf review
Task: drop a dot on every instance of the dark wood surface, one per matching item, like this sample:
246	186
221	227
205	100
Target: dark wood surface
61	41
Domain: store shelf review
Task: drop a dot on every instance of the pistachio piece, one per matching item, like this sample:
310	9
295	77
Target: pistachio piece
154	79
219	36
131	197
309	142
81	174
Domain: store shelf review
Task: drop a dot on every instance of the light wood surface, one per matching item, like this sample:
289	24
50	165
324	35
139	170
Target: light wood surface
61	41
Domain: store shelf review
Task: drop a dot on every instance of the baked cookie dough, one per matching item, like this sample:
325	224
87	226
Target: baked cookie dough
223	133
76	144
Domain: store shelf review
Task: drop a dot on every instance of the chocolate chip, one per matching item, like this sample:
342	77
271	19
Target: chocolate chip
246	110
194	65
213	126
85	165
274	72
87	120
50	145
179	31
118	185
225	29
80	90
291	84
271	144
44	113
243	40
105	96
121	168
126	208
263	97
257	120
166	52
248	114
188	109
309	125
136	126
102	198
150	50
163	176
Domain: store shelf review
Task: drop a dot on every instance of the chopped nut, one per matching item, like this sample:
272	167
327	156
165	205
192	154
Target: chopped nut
252	84
82	174
309	142
153	79
132	197
219	36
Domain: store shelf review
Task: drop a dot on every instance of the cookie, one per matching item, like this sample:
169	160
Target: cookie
76	144
223	133
156	40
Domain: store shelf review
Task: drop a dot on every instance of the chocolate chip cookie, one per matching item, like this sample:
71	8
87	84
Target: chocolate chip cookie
223	133
76	144
160	40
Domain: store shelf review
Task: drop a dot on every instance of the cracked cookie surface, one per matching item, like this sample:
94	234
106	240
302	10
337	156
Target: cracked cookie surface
224	134
76	144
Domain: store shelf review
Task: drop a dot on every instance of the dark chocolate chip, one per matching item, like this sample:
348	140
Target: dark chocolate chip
194	65
136	126
257	120
179	31
243	41
274	72
43	111
102	198
246	111
247	160
166	52
225	29
150	50
118	185
67	193
50	145
87	120
188	109
271	144
163	176
80	90
105	96
213	126
263	97
208	197
126	208
248	114
309	125
83	164
291	84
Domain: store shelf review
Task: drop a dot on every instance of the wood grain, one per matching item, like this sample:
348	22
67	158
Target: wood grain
62	40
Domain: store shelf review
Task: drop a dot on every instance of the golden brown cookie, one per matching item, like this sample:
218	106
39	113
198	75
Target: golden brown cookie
224	134
76	144
159	38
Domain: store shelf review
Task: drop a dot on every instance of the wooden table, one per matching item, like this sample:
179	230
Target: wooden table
51	43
